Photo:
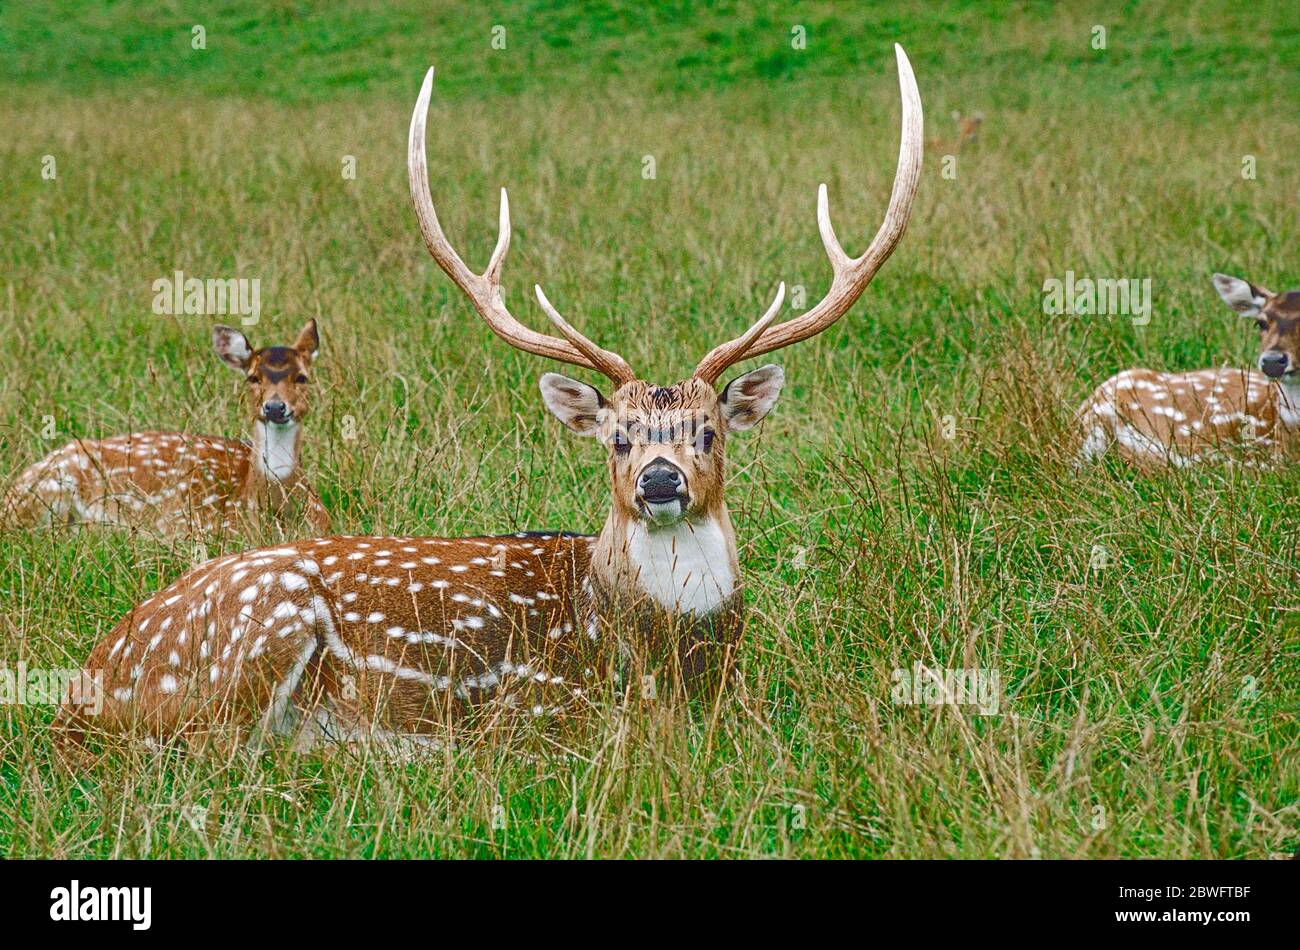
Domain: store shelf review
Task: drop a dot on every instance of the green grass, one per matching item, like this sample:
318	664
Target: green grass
1151	705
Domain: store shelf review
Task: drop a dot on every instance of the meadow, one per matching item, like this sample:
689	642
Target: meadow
909	501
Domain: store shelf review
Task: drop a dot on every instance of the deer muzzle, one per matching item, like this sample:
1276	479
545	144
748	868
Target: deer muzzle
661	490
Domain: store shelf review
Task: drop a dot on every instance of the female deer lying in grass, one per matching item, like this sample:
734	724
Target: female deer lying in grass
1153	419
178	484
372	638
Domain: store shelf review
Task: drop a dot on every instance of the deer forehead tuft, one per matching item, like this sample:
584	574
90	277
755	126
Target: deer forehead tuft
277	363
688	396
277	356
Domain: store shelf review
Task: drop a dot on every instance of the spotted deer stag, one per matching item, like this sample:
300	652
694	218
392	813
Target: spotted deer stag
1153	419
180	484
394	638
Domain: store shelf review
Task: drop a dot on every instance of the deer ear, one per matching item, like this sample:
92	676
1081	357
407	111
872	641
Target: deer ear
747	399
1245	298
575	404
232	346
308	342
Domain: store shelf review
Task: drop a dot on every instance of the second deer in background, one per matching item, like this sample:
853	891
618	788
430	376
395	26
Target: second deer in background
178	483
968	127
1153	419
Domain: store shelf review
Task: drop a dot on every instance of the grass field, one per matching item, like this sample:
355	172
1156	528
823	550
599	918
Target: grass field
1146	629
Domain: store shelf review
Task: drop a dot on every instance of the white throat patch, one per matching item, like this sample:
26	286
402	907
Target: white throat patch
1288	404
685	568
276	450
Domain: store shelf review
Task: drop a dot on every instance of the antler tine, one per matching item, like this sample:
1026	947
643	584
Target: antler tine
493	273
484	290
611	364
850	275
716	363
834	249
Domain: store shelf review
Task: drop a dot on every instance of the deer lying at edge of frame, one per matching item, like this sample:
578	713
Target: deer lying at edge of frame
1153	419
177	483
389	639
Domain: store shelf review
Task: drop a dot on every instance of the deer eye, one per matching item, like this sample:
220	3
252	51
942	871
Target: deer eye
706	440
300	379
621	444
253	379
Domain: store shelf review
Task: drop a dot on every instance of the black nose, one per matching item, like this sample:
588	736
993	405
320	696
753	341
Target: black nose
275	411
660	482
1273	363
